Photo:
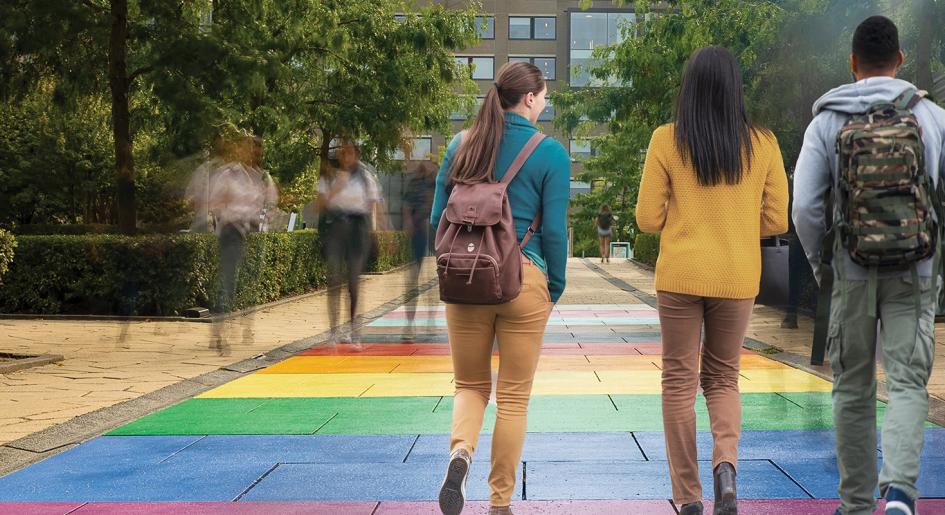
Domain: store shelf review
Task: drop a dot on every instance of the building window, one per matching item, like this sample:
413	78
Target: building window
483	67
548	113
532	27
485	27
420	150
545	64
590	30
580	149
579	188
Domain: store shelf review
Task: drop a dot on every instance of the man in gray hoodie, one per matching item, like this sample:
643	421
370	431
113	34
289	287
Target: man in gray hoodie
907	342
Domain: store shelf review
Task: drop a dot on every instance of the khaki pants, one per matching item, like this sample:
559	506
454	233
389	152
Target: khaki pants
681	321
519	327
907	353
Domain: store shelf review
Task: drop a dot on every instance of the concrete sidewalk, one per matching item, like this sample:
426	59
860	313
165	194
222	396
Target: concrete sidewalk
100	371
332	429
766	328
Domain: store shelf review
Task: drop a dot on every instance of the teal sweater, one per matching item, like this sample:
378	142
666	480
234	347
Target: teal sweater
544	183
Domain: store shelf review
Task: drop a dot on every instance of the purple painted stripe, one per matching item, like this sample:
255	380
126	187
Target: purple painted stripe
38	508
228	508
537	507
606	507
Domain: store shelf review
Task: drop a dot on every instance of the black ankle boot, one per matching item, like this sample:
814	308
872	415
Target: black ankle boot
726	500
693	508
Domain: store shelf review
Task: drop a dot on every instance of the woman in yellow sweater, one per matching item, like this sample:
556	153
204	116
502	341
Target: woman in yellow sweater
713	185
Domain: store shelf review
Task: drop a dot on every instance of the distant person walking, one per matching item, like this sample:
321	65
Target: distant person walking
239	194
502	140
417	204
348	193
713	185
605	221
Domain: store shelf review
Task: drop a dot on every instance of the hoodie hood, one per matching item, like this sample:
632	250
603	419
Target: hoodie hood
856	98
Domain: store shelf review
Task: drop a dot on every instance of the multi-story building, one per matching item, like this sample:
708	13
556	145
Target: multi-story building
556	35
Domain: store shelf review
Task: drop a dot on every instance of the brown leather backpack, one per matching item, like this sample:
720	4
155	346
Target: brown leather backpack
478	256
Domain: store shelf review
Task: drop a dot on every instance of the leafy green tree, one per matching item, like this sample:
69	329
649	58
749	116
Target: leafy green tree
339	68
297	72
122	48
55	161
643	74
790	51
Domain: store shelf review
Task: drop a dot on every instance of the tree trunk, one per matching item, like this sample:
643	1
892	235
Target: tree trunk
323	151
121	130
923	53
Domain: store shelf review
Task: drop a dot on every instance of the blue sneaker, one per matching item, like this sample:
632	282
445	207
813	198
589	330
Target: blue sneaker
898	503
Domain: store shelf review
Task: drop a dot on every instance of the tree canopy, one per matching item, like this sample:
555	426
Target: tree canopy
790	51
158	79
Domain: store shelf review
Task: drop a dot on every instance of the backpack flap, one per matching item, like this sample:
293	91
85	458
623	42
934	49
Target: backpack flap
476	204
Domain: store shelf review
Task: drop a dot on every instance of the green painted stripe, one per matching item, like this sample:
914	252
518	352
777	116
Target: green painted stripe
416	415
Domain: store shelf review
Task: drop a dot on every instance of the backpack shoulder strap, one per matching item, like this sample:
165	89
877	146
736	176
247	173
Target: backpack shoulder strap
910	98
510	174
522	156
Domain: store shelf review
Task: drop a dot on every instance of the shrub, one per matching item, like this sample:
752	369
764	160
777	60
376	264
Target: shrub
7	244
646	248
393	250
75	229
164	274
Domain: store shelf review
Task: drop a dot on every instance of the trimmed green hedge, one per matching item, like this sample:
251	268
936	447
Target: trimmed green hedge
165	274
7	244
646	248
75	229
393	250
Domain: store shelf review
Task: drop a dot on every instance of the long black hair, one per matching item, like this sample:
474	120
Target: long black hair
713	131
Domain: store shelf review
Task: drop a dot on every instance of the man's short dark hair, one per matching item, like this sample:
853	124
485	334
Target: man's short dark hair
876	44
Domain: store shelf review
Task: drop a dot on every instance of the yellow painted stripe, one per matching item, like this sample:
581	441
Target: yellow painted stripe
444	364
619	382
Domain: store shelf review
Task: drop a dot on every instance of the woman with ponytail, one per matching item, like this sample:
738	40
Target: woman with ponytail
504	124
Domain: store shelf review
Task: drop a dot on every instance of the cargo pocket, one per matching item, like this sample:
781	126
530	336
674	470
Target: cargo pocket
924	353
835	345
924	350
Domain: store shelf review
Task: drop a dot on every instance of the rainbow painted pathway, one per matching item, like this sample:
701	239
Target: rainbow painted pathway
333	431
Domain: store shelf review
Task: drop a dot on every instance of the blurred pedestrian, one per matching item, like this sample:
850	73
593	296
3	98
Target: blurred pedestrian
238	194
348	194
417	203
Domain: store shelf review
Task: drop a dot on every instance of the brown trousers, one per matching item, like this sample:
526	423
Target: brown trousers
681	321
519	327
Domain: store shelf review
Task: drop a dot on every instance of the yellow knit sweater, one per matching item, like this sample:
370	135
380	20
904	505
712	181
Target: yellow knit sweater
710	235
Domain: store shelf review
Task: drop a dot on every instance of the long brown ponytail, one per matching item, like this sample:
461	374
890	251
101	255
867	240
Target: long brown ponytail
474	161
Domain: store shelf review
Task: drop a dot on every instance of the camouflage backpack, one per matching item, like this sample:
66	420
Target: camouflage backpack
885	196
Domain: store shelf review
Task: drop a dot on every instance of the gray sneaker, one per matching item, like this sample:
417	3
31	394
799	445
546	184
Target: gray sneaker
453	490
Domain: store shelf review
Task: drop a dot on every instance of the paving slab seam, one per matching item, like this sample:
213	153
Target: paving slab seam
257	481
936	405
100	421
791	477
77	508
